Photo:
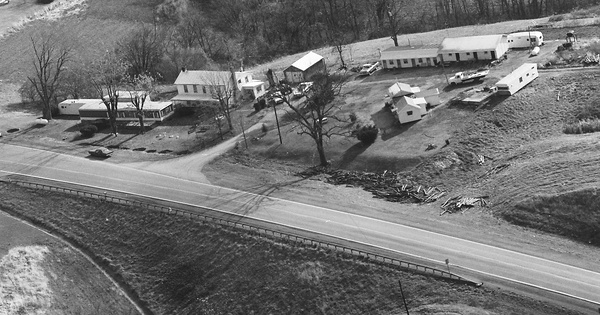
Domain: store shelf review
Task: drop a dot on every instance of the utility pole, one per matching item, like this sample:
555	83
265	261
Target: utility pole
243	130
277	121
403	299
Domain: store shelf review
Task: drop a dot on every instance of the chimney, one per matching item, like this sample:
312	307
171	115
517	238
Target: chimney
183	69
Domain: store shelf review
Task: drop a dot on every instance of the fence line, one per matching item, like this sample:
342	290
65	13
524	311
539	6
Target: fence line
252	228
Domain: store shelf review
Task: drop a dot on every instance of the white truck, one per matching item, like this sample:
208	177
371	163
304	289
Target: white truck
468	76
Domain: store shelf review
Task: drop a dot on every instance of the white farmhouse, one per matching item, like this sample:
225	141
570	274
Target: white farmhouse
485	47
199	87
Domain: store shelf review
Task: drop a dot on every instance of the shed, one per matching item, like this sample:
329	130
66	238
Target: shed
304	68
399	89
484	47
517	79
432	96
409	57
410	109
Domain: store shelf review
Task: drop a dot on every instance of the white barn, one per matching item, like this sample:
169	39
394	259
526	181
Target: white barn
485	47
409	57
525	39
517	79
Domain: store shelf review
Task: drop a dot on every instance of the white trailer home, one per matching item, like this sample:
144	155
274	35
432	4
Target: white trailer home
525	39
517	79
71	106
409	57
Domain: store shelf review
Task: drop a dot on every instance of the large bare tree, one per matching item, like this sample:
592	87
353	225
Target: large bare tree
108	75
143	50
223	88
140	87
318	107
49	63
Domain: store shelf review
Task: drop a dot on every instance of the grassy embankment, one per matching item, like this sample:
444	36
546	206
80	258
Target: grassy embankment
178	266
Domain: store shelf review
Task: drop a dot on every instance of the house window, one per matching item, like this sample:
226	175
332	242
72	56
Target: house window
405	60
259	88
204	89
485	52
398	62
195	88
409	113
468	54
246	79
185	89
420	60
450	55
520	79
240	81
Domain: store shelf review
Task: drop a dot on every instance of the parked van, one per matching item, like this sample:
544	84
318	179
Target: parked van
525	39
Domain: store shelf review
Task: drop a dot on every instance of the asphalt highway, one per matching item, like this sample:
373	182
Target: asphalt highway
566	280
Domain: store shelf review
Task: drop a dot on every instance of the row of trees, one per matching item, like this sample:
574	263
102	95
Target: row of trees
255	30
55	75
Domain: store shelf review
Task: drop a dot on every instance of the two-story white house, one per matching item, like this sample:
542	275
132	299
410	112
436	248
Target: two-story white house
201	87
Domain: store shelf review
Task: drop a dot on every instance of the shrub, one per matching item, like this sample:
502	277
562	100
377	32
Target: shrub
589	111
367	134
88	130
582	126
353	117
264	128
184	111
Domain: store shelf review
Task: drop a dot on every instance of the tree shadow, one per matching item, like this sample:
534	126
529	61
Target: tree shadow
27	108
396	130
249	201
351	154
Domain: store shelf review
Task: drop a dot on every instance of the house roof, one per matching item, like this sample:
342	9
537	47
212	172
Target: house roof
406	101
252	84
79	102
507	80
99	106
203	77
407	52
306	62
471	43
193	97
401	89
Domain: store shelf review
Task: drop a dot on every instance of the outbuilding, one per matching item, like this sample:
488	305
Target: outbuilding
525	39
517	79
410	109
304	68
409	57
399	89
484	47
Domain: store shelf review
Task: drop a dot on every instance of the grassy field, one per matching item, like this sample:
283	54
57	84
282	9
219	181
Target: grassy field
177	266
38	271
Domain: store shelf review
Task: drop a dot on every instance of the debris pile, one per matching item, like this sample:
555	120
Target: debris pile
590	58
495	170
389	186
458	203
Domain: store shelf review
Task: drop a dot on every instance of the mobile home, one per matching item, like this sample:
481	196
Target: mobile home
525	39
71	106
517	79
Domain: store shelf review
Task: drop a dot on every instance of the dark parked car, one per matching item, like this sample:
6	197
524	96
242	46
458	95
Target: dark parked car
100	152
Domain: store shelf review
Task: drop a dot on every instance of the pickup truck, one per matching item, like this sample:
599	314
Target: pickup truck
468	76
368	68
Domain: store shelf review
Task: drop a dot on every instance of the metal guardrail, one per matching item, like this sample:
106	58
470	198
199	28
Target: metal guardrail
209	218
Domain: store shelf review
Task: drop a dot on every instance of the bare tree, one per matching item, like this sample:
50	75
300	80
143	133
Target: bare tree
49	62
142	50
108	75
223	88
318	107
140	87
394	14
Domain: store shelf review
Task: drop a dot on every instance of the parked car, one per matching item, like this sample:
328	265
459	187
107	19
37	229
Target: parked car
277	97
3	2
100	152
302	89
369	68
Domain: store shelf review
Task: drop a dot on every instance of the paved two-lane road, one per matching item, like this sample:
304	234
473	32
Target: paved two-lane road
463	254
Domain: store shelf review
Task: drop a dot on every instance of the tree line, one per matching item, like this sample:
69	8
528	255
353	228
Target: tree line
252	31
